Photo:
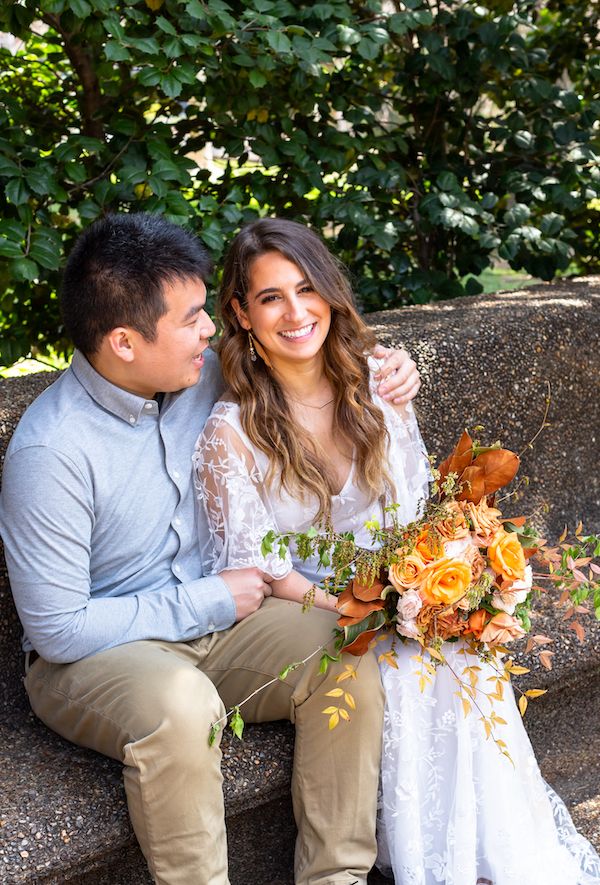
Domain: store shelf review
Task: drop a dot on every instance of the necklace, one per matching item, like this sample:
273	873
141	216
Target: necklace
310	405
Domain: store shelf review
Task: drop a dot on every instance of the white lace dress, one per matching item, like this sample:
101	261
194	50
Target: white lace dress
452	809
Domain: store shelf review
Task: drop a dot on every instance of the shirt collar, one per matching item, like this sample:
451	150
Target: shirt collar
125	405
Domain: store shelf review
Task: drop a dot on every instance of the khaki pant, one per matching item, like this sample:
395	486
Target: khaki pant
150	705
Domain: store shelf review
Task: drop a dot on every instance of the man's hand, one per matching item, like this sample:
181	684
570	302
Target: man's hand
248	586
400	381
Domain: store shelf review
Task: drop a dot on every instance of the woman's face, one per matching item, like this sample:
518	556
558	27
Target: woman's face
287	317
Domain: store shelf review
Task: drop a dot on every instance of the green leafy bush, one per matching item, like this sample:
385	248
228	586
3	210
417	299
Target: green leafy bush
422	138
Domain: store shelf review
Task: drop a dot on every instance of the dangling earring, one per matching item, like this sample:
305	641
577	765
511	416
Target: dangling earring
251	346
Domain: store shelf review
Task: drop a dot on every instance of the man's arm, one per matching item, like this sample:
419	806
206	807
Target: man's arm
47	520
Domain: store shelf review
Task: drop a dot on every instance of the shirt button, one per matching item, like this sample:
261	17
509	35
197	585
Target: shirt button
132	419
211	627
148	406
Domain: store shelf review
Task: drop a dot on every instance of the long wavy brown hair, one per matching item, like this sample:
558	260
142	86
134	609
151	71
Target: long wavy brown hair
265	413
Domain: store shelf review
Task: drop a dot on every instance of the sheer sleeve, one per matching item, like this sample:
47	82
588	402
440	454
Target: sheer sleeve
407	456
232	500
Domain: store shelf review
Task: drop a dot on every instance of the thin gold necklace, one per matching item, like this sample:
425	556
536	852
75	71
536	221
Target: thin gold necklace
310	405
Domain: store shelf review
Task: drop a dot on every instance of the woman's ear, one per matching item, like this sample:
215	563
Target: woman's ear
240	314
120	342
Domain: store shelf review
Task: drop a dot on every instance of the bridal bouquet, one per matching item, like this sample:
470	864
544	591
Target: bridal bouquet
462	570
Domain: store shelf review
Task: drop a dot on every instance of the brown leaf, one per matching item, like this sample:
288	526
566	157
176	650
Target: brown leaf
472	480
367	593
579	630
360	646
349	606
459	459
499	466
546	659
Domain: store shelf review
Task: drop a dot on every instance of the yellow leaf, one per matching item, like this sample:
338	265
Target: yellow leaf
498	719
436	654
262	115
579	528
333	720
522	704
154	4
350	700
488	727
536	692
344	714
563	535
422	683
466	706
334	693
329	710
417	658
347	674
516	670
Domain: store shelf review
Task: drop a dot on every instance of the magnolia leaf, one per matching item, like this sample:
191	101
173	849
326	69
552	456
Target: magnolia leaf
500	467
349	606
367	592
459	459
358	636
472	480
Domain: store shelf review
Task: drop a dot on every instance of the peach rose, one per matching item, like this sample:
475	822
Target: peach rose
477	563
507	598
454	526
408	628
444	582
406	573
506	556
501	629
484	519
409	605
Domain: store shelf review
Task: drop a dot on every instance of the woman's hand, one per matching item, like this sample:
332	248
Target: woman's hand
400	380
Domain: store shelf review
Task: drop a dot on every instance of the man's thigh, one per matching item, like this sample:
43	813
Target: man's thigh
123	694
257	649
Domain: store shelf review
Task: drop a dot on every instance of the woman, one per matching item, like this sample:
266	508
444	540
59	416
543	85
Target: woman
302	437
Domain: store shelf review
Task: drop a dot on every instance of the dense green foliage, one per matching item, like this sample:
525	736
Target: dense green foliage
422	137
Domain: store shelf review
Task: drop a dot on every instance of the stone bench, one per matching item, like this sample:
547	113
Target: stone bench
484	360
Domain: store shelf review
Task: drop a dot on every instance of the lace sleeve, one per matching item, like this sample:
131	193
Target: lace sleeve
407	456
232	510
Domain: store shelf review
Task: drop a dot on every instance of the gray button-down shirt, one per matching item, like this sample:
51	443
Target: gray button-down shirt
98	517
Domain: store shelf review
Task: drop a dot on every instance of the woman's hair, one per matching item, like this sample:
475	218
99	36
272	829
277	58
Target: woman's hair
265	414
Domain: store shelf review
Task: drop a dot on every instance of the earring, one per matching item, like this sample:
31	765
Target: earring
251	346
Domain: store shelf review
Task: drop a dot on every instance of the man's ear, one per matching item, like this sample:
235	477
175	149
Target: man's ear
240	314
121	344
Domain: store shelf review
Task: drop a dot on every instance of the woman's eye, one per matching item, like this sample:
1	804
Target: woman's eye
305	290
268	298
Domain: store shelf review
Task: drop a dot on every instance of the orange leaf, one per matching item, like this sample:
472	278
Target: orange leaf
349	606
459	459
366	592
360	646
499	466
472	480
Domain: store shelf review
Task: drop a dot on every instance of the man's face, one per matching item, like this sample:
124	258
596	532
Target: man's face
174	359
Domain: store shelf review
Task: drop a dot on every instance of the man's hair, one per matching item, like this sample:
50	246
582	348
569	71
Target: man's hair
116	273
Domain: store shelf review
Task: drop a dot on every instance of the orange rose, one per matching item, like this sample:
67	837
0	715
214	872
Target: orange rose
454	526
406	574
501	629
477	562
485	520
477	622
506	556
427	546
444	582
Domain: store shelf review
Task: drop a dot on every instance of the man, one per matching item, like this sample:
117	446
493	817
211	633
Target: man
130	650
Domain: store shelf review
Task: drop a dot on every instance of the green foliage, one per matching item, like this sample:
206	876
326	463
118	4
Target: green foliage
422	139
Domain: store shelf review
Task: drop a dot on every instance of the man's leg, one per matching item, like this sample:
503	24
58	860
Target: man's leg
336	772
147	705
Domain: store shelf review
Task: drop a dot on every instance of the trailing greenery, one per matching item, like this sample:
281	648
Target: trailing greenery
423	138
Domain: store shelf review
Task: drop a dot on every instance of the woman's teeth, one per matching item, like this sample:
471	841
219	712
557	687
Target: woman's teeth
298	333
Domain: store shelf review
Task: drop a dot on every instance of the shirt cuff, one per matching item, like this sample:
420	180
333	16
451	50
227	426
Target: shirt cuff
212	602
